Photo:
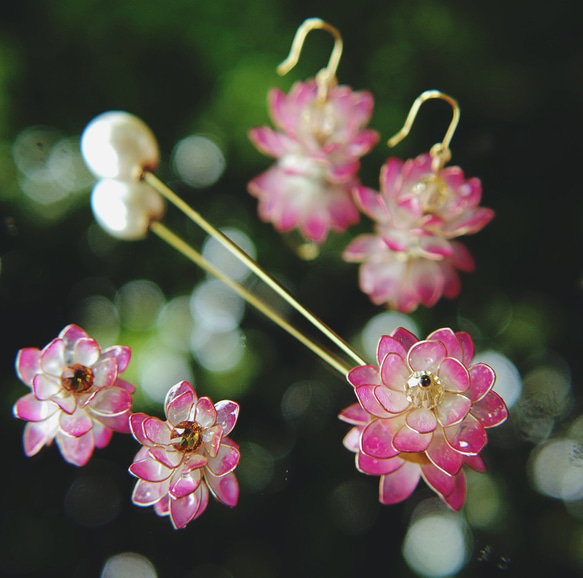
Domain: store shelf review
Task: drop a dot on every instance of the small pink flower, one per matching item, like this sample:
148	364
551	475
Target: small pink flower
185	456
318	147
422	412
76	395
411	259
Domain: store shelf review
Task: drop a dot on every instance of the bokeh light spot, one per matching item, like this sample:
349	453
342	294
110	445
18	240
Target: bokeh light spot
255	470
159	370
556	469
218	352
508	381
436	544
128	564
139	303
93	500
223	259
216	307
175	324
384	324
198	161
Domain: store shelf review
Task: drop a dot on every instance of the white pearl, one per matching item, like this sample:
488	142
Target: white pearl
118	145
126	209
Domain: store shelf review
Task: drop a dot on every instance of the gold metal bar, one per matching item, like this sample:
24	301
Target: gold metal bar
173	198
180	245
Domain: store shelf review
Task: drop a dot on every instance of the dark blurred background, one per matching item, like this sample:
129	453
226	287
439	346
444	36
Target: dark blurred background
197	73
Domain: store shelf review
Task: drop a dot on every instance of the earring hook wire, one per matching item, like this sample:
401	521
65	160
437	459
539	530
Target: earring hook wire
326	78
440	152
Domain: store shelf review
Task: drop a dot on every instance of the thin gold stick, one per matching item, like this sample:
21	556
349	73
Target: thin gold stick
180	245
173	198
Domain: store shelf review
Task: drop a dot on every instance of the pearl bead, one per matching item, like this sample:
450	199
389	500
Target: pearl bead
118	145
126	209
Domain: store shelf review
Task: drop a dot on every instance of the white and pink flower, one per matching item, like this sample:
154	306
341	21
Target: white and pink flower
76	396
411	258
318	147
185	456
422	412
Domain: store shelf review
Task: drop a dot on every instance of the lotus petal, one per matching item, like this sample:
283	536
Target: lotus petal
225	489
148	493
354	414
482	378
376	439
454	375
443	456
226	460
205	416
76	450
409	440
467	437
399	485
491	411
227	414
28	364
376	466
452	409
426	356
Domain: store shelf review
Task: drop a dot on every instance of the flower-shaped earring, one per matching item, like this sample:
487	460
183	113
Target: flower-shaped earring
412	258
423	411
318	144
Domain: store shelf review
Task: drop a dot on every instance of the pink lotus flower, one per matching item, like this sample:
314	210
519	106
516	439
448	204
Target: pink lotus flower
185	456
411	258
318	151
422	412
76	398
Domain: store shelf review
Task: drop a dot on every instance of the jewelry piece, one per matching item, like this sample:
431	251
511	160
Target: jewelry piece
411	258
318	144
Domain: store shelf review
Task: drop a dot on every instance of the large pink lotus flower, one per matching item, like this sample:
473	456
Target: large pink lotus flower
318	147
422	412
411	259
185	456
76	398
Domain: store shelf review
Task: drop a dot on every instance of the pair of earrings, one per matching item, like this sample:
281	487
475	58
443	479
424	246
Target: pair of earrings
411	257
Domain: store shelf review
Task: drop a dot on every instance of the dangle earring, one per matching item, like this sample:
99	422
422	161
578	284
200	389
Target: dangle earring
411	258
319	140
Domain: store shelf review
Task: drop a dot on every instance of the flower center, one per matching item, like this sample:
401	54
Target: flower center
432	192
77	378
424	389
320	120
187	436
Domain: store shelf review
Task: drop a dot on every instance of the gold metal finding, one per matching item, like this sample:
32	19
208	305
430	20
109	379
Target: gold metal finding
440	152
326	78
233	248
183	247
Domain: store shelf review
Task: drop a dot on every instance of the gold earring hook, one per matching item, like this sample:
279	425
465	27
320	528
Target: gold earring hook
440	152
326	78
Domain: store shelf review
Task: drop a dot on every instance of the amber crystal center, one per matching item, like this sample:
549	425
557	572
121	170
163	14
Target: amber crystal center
77	378
424	389
186	436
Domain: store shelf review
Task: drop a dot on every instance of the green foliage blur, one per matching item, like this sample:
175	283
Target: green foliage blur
191	67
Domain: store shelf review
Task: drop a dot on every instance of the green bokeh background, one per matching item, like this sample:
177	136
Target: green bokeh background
188	66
